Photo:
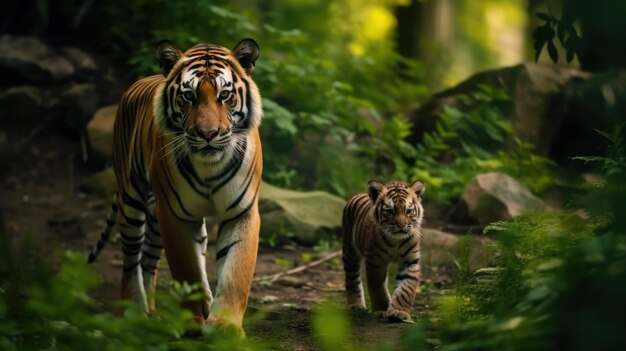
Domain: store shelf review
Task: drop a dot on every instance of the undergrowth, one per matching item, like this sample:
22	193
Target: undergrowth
558	279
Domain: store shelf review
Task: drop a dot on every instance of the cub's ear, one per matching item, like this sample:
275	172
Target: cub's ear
418	187
374	188
167	54
246	52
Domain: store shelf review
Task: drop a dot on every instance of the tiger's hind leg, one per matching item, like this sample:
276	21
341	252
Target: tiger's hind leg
354	286
151	252
131	223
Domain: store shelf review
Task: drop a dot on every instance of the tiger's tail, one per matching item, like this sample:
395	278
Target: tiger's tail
106	232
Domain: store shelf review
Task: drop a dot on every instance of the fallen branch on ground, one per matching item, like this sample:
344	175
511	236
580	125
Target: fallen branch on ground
276	276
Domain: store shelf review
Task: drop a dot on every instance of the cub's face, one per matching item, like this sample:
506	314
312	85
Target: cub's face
397	208
209	101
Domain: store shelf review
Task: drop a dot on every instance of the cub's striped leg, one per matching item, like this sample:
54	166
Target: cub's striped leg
376	272
131	223
237	245
352	269
407	280
151	253
185	242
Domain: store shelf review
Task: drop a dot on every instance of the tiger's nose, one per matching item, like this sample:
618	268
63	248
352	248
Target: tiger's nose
207	134
401	223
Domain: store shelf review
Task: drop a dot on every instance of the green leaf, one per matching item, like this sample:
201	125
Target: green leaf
554	55
543	16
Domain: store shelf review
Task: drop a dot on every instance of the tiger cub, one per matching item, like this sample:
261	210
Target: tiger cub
379	227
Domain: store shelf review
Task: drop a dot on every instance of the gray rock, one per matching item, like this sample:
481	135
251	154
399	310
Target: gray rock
100	131
536	108
307	215
492	197
27	59
80	102
83	62
21	104
102	183
440	249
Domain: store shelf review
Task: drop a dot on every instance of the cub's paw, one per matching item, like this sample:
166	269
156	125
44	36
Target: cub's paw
396	315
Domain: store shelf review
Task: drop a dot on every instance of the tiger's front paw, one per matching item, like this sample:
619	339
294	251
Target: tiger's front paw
223	327
396	315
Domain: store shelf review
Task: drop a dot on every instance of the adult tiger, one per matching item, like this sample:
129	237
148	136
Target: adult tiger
379	227
186	144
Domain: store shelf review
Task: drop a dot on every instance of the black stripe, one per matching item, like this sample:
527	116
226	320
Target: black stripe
137	205
132	222
406	276
149	255
409	249
386	240
131	238
169	205
224	251
245	188
126	269
228	175
410	263
178	199
239	215
190	175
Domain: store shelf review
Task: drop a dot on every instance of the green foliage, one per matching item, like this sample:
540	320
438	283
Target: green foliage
564	30
557	281
324	105
54	311
474	140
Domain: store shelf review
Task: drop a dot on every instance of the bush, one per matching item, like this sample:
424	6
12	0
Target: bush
558	280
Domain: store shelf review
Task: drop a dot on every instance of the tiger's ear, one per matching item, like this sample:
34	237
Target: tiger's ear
418	187
167	54
246	52
374	188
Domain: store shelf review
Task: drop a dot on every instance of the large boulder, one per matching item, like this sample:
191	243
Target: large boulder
440	249
28	60
80	101
21	105
82	61
308	216
492	197
536	108
100	131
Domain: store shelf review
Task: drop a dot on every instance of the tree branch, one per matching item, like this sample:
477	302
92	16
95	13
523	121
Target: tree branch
276	276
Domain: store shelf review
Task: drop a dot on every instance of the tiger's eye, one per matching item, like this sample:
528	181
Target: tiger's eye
410	211
225	95
189	95
387	212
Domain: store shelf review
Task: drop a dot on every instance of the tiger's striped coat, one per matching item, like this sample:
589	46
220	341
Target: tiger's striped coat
380	227
186	145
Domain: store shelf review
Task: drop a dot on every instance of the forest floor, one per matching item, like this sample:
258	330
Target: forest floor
40	201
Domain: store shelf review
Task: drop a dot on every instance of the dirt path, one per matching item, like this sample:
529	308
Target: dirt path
41	201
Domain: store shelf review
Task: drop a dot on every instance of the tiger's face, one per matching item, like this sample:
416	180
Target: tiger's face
209	100
397	208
